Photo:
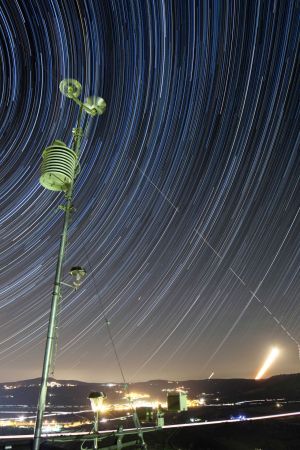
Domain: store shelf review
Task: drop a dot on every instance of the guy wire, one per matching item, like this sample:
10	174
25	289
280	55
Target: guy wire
126	386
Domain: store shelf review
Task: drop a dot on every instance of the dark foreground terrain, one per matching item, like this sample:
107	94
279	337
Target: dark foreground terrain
279	434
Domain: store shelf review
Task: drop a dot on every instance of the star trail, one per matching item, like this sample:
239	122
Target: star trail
186	210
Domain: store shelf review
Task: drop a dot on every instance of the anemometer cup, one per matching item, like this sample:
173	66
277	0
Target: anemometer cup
95	106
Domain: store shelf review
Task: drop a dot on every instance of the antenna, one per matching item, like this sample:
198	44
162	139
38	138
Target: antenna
59	169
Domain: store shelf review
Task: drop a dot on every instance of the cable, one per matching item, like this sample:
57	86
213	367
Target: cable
126	386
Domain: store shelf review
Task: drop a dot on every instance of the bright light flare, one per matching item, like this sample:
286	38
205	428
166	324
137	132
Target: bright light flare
274	352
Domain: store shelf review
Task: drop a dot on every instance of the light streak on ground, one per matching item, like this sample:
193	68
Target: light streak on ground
274	352
247	419
180	425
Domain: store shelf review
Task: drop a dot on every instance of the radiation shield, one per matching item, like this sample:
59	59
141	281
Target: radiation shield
58	167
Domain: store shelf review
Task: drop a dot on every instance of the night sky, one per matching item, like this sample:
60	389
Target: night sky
187	205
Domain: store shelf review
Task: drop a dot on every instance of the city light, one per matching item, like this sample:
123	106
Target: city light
96	399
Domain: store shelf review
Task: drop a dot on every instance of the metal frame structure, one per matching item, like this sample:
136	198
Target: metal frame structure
118	436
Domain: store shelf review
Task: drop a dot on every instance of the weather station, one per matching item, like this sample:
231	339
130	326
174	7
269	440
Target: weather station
60	167
59	170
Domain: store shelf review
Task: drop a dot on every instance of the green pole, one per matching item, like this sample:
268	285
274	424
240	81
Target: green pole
51	335
96	428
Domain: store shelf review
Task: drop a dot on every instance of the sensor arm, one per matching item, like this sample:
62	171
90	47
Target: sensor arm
72	89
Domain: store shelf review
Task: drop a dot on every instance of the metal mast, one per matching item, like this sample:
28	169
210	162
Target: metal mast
59	169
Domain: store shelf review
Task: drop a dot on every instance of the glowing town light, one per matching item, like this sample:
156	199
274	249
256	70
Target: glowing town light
96	399
268	362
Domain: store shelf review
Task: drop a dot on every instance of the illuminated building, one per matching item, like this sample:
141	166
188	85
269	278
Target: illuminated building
177	401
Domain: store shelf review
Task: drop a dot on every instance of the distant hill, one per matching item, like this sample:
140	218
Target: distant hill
75	393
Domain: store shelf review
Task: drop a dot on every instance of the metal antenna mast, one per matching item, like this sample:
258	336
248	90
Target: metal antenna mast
59	169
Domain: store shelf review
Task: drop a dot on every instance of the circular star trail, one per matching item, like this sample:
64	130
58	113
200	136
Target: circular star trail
187	205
